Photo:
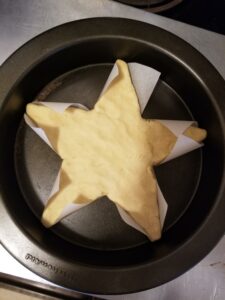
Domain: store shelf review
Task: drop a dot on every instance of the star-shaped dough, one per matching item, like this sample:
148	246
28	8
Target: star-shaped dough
109	150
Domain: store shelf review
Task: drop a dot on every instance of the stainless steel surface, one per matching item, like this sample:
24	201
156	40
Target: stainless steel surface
21	20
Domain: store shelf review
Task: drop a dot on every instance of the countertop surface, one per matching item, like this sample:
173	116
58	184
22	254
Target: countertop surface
23	19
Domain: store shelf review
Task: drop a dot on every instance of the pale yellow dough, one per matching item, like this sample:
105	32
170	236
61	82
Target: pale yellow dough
109	150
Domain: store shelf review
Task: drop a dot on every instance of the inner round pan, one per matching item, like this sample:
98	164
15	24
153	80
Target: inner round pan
75	257
99	225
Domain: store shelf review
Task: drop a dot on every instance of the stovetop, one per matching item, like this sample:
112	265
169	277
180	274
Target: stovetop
206	14
23	19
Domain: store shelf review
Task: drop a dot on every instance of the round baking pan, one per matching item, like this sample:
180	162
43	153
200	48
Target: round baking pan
92	250
152	5
141	3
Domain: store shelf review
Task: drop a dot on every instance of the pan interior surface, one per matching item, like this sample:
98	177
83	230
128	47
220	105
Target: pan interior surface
99	225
